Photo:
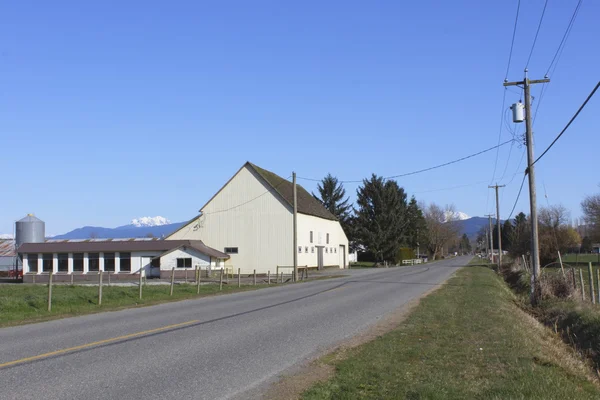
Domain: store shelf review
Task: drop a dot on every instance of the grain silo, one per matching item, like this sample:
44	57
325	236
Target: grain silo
30	230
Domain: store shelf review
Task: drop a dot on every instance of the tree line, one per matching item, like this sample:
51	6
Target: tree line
384	222
555	230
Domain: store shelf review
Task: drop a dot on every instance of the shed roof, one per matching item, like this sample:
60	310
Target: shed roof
7	248
307	204
96	246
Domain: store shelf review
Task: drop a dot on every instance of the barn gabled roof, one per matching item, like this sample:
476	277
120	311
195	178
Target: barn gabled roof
307	204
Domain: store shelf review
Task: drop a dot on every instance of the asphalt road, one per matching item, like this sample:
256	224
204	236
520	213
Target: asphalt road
211	348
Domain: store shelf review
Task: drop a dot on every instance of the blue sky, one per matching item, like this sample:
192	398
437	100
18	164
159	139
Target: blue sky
115	110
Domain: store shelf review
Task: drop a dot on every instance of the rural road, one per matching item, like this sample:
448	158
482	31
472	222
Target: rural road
211	348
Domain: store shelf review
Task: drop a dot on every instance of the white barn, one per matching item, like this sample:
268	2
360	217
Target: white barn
251	219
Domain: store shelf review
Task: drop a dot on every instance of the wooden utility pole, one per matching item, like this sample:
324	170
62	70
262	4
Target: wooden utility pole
535	247
491	237
295	227
496	186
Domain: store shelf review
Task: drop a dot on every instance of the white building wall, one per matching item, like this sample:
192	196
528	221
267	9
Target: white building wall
258	224
137	257
169	261
320	228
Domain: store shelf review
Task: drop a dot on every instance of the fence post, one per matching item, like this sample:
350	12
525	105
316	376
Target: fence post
561	263
277	275
71	279
574	279
268	277
591	275
185	275
598	283
306	270
140	283
281	276
172	280
99	288
50	291
582	286
239	278
227	275
221	280
198	273
108	278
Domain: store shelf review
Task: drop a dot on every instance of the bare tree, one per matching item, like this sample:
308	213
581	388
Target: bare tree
441	227
591	213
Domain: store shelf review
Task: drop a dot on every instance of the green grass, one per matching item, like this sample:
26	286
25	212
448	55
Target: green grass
467	340
28	303
363	264
581	258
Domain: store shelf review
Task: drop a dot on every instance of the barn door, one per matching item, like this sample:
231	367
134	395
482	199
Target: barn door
320	257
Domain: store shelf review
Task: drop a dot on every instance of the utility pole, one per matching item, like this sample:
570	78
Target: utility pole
491	237
295	228
535	248
496	186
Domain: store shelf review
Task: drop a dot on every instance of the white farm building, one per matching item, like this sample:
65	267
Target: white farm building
251	219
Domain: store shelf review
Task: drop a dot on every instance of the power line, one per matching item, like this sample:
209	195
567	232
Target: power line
512	43
567	126
499	135
424	169
565	35
558	55
518	195
251	200
536	34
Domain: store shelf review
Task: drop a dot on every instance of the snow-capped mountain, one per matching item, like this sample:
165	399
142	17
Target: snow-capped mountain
456	216
150	221
6	236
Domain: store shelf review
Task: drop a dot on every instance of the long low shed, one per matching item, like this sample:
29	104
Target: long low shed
125	259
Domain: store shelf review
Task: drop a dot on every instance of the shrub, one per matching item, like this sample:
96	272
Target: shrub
404	253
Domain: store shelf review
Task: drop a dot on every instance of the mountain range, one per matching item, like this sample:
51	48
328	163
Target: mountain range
139	227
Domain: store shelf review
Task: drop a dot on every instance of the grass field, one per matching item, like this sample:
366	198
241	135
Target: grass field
467	340
581	258
23	303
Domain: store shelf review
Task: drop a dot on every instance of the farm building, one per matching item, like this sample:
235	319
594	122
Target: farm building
123	257
251	219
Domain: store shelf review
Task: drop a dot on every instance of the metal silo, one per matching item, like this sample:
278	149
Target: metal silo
30	230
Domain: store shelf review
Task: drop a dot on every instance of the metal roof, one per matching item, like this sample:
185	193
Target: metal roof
7	248
30	218
96	246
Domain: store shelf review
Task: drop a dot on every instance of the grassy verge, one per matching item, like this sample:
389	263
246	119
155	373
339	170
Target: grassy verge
467	340
20	304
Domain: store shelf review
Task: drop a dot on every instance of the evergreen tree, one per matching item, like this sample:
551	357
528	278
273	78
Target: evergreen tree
416	226
465	244
381	217
333	197
507	235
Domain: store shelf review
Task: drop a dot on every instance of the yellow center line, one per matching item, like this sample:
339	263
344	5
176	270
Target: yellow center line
98	343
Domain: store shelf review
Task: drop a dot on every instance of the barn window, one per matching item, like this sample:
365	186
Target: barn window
94	261
125	260
78	262
299	249
109	262
334	250
231	250
33	262
311	236
47	262
184	263
326	250
327	239
63	262
312	249
306	249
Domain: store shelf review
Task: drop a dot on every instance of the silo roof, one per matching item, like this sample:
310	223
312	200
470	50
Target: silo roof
30	218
